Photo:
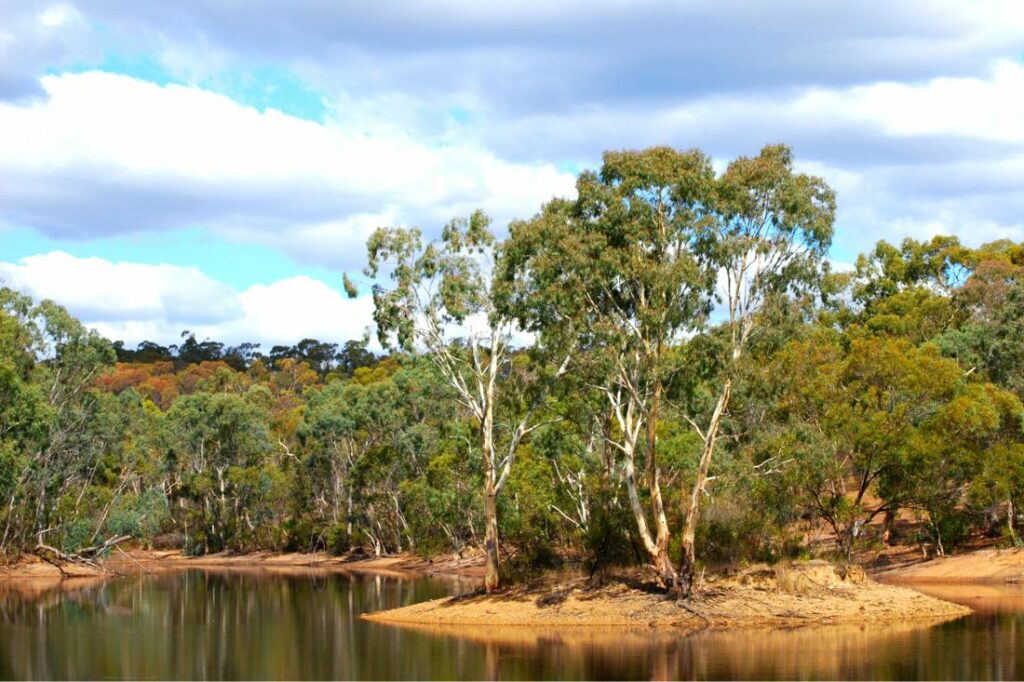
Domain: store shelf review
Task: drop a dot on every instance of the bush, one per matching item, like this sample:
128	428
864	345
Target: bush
730	533
607	540
336	539
75	535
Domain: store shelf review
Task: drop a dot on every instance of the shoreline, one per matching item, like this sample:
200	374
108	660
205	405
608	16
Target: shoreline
979	566
137	561
762	596
792	595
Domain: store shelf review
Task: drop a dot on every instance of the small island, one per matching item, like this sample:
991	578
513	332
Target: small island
784	595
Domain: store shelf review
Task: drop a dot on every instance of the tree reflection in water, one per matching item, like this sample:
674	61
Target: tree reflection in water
305	624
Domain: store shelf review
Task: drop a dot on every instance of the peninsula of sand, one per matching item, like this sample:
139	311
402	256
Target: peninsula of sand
784	595
808	593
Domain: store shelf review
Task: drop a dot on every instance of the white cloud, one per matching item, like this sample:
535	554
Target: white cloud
945	155
533	57
983	108
58	15
135	302
119	292
108	154
300	307
37	36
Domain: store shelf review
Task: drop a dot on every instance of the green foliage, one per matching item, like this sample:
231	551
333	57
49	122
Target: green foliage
891	391
607	539
885	419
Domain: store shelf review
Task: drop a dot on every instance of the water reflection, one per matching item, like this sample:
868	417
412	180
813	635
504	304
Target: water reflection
304	624
214	624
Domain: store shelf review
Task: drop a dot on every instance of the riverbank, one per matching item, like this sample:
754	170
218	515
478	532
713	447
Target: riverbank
811	593
132	561
989	565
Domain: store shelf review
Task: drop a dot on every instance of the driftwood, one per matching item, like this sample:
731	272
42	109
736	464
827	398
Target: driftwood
85	556
90	552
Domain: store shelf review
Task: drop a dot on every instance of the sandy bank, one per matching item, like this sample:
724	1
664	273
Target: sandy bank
983	565
795	595
402	563
32	567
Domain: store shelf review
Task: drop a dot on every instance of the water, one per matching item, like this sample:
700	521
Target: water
305	625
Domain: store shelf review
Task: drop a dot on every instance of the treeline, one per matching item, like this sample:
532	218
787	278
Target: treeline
323	358
663	370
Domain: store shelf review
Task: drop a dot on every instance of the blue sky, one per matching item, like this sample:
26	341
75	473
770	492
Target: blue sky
208	166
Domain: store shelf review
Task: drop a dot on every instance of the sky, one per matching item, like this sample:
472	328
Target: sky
216	166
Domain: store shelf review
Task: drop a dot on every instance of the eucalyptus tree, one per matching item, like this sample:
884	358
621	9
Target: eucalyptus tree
445	302
875	425
368	439
338	421
633	267
48	363
769	232
23	412
991	306
621	269
218	447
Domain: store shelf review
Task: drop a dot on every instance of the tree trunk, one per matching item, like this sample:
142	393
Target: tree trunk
348	519
491	578
660	558
1010	525
649	543
887	523
687	565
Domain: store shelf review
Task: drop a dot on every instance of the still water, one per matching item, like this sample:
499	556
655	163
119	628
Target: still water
305	625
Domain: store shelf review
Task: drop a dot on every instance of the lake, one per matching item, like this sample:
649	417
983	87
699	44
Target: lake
238	624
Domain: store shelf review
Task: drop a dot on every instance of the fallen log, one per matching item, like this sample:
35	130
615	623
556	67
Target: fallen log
90	552
85	556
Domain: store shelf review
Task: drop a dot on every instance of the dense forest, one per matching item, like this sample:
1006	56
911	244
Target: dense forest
665	370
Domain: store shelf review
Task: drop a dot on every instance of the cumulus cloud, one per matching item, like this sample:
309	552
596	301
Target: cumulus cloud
907	159
542	56
37	36
135	302
914	112
108	154
98	289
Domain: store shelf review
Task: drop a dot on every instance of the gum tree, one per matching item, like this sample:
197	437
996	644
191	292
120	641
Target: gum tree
443	300
633	267
769	231
49	442
620	269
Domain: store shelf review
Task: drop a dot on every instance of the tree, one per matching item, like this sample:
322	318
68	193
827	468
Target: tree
991	336
441	290
619	268
631	266
193	352
361	457
770	232
353	355
48	364
217	444
880	427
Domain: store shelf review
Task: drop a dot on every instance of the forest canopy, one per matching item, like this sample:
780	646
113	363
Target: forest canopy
664	370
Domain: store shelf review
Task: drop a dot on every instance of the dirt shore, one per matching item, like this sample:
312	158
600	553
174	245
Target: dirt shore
131	561
982	565
792	595
760	596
